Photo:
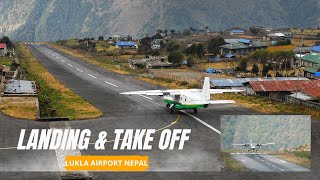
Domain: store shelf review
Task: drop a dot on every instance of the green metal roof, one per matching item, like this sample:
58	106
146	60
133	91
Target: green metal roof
315	58
313	69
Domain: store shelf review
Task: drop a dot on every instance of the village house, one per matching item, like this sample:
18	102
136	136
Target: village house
150	63
312	72
3	49
281	89
237	32
310	60
274	36
156	44
236	47
126	44
315	49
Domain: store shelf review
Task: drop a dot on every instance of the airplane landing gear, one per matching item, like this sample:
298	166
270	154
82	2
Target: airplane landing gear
171	111
168	105
195	110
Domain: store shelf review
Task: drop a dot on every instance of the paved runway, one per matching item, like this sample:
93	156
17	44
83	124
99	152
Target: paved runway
266	163
102	88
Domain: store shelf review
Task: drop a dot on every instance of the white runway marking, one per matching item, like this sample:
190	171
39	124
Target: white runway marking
281	169
70	65
146	97
79	70
92	76
283	161
111	84
62	153
202	122
62	60
8	148
194	117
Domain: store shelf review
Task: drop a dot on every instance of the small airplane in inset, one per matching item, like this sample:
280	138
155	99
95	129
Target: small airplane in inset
253	146
188	98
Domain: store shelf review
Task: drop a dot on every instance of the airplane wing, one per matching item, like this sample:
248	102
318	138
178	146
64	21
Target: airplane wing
178	91
265	144
221	102
221	91
241	145
153	92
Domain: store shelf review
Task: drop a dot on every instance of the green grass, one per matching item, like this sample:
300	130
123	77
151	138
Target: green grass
5	61
232	164
265	105
116	63
303	154
55	99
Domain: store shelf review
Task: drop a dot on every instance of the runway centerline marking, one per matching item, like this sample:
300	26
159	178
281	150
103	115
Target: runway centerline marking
202	122
194	117
70	65
111	84
79	70
92	76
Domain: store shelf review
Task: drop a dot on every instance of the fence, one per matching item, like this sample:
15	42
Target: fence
294	100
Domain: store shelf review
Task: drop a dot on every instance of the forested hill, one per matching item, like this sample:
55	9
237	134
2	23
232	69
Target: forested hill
287	132
45	20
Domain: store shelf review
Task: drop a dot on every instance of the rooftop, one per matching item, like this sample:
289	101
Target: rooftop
237	31
312	69
313	57
3	45
309	87
239	82
234	46
239	45
315	49
20	87
125	43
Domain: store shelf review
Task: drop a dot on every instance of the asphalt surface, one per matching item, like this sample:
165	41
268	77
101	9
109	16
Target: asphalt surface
199	159
266	163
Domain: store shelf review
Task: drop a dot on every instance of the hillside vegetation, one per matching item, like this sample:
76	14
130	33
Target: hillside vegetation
287	132
45	20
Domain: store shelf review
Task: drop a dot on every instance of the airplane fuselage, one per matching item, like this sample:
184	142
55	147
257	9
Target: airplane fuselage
182	102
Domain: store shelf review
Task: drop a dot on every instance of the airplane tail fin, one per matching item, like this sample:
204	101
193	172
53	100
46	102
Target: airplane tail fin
205	92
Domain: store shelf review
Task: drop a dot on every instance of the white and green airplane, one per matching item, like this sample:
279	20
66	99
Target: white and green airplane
188	98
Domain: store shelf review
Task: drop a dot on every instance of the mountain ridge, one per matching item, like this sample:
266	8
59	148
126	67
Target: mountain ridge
49	20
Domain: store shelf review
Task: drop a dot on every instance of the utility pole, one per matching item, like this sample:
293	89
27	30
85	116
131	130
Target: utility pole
299	67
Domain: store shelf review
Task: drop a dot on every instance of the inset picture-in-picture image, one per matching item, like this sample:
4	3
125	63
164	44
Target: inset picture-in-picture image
266	143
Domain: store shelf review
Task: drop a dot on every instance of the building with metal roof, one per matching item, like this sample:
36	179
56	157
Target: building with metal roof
239	40
125	44
3	49
240	82
242	47
315	49
310	60
312	72
280	89
237	32
20	87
